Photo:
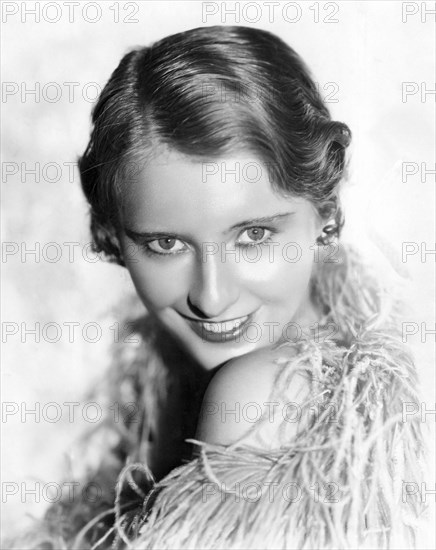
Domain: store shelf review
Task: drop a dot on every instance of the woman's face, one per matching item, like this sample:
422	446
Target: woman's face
219	257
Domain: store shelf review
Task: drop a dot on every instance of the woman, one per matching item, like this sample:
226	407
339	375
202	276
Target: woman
212	174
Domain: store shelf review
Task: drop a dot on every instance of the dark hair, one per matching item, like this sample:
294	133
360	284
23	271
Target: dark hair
205	92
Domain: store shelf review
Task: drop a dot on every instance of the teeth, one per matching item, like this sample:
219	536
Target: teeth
228	326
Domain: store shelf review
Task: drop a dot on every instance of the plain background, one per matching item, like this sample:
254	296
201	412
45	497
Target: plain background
368	55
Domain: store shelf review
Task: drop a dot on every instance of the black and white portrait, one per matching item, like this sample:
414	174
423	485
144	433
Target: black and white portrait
218	265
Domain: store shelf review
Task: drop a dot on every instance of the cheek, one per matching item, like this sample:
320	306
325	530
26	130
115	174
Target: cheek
285	279
284	269
156	284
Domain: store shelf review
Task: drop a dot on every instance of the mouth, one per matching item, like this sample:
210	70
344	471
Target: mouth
220	332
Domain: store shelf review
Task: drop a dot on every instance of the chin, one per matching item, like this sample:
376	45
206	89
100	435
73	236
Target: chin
211	358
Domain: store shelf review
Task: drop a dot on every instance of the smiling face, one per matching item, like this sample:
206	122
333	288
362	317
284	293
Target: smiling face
221	259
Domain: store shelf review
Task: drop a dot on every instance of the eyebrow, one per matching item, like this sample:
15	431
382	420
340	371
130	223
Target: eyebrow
260	221
135	235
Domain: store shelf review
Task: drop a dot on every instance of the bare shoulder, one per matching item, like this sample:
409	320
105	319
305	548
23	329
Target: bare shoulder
257	370
239	393
253	370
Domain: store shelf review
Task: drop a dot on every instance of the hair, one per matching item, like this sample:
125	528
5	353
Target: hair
206	92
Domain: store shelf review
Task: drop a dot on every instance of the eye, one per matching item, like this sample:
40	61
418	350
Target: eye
255	235
165	246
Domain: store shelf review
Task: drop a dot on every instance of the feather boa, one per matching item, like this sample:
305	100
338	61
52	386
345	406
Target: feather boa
338	483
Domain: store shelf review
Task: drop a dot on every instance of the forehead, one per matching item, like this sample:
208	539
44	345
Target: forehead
171	187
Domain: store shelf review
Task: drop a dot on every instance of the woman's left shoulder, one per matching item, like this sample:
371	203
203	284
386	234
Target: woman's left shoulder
252	374
239	396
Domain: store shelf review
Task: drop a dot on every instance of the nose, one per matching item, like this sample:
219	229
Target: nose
213	290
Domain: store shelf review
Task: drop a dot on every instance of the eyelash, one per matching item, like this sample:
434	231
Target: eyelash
153	253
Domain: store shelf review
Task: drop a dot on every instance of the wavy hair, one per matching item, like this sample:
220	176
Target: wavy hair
203	93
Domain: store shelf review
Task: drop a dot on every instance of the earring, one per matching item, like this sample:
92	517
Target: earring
328	234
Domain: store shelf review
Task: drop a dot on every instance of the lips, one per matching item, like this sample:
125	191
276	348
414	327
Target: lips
221	332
